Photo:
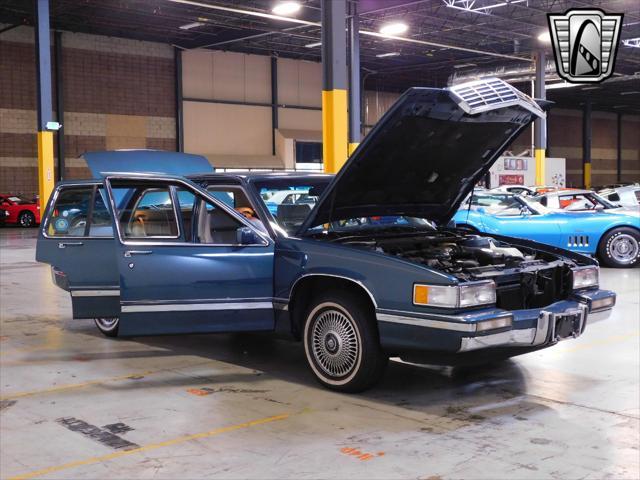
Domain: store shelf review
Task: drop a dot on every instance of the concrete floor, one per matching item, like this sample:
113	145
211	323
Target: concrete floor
75	404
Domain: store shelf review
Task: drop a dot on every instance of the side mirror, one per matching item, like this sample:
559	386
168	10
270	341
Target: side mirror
525	212
598	207
246	236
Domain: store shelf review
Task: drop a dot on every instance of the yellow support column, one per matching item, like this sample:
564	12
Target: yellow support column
587	176
540	125
352	148
45	166
334	129
540	166
334	85
45	117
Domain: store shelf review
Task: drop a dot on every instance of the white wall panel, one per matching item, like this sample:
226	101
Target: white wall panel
257	78
197	74
211	128
288	91
376	104
295	118
299	82
228	76
310	84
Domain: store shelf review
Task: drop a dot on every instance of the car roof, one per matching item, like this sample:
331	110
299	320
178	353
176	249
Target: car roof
573	191
625	188
258	176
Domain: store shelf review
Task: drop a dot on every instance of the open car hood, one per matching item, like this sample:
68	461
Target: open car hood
427	152
145	161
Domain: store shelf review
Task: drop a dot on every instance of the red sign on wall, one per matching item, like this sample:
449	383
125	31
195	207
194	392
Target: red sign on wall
511	180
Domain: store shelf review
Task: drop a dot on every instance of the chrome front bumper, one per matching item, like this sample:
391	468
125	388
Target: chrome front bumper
543	333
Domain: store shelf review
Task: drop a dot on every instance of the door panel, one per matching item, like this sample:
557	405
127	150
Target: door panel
181	270
76	239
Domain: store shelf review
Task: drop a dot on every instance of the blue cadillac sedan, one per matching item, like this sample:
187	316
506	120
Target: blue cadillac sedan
368	268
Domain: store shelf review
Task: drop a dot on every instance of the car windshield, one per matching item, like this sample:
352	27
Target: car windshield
577	202
290	200
504	204
19	200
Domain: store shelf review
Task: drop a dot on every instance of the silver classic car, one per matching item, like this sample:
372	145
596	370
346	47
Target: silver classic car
371	267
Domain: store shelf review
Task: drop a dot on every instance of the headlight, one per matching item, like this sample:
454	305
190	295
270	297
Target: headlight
585	277
455	296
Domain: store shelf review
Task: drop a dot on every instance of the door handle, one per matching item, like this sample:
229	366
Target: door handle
69	244
129	253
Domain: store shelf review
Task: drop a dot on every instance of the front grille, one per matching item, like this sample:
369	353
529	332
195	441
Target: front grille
482	95
535	289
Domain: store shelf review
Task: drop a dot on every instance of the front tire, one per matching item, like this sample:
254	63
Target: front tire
108	326
620	248
341	343
26	219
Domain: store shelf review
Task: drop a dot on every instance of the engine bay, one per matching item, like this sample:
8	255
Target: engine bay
524	277
466	256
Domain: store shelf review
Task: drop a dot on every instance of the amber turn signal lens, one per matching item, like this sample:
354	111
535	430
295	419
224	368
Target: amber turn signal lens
421	294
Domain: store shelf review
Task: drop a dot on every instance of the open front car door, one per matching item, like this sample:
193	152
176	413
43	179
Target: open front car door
188	263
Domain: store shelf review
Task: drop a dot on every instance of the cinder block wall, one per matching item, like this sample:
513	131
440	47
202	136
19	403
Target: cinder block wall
118	93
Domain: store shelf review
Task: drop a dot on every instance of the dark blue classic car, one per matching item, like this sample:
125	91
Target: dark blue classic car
374	269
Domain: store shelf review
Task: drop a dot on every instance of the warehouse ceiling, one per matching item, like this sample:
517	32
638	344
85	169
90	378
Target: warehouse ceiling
448	38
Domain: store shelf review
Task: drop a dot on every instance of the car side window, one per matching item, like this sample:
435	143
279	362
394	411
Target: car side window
149	214
206	222
614	197
69	213
236	198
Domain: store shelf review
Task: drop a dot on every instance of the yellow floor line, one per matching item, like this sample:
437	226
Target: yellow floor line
70	386
146	448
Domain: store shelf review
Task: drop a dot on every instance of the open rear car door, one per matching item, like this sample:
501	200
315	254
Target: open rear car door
76	239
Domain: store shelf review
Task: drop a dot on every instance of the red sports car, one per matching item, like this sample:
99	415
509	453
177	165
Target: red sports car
25	213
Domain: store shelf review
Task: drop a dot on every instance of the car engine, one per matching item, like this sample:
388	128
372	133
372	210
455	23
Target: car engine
525	278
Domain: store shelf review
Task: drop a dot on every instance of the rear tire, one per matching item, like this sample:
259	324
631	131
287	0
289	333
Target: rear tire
620	248
26	219
341	342
108	326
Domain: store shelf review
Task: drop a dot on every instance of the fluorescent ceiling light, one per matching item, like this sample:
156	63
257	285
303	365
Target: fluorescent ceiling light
553	86
286	8
386	55
395	28
544	37
312	45
369	33
189	26
590	88
465	65
633	92
620	106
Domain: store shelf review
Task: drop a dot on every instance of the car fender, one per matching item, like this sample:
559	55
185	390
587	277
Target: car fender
387	280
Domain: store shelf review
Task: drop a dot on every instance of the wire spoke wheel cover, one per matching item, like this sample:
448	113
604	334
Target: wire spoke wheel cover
107	324
624	249
333	343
